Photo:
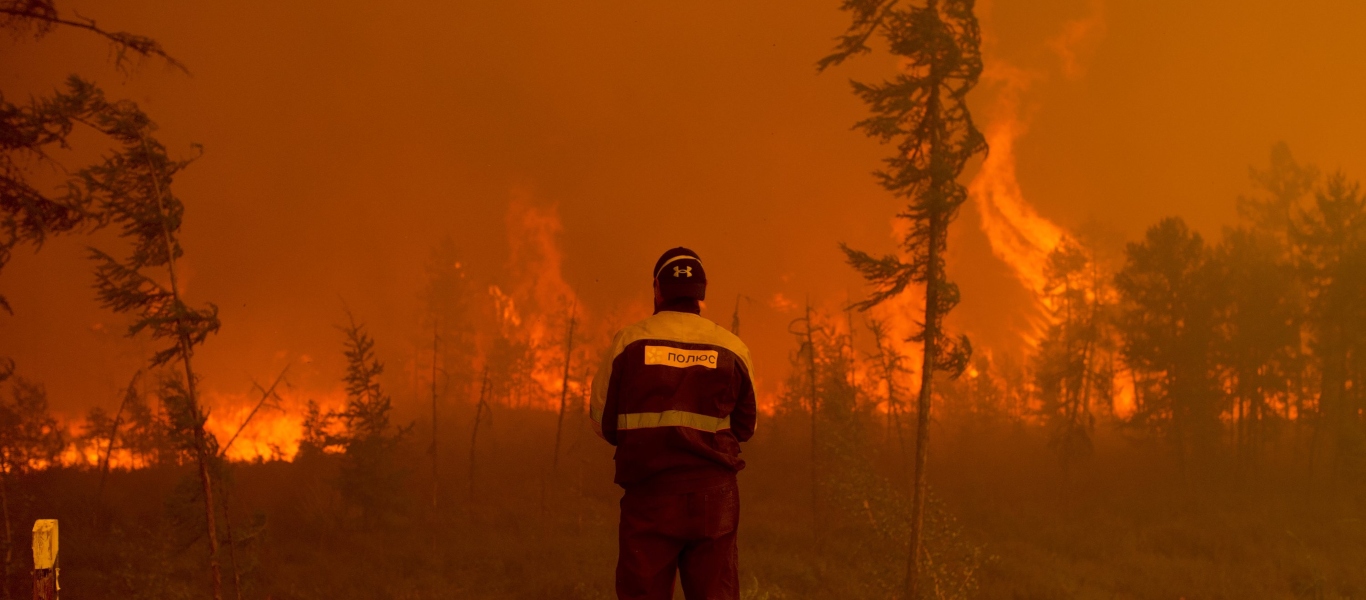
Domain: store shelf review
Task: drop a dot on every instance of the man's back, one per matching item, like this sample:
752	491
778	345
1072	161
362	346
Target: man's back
676	397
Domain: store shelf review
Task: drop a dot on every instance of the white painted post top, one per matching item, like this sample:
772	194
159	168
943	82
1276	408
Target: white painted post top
44	543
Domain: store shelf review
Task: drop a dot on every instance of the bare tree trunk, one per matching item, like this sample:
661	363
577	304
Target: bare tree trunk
922	437
186	351
890	365
266	393
114	434
735	317
815	403
478	418
894	410
9	527
853	356
564	389
215	574
436	339
232	544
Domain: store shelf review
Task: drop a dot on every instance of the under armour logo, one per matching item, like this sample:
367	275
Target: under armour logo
683	271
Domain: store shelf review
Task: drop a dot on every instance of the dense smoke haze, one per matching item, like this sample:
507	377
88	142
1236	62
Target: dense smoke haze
343	142
463	184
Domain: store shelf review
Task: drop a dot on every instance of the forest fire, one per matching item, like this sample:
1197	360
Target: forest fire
1019	236
261	431
351	285
534	314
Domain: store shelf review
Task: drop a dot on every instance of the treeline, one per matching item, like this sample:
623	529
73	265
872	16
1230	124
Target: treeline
1250	347
1227	360
1246	351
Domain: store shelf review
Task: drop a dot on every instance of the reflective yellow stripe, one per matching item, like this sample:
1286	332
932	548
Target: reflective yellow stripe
673	418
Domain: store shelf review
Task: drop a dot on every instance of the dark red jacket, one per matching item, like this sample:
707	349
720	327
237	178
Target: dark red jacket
675	395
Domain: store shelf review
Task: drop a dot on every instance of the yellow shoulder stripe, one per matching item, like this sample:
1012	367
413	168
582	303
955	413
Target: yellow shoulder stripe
673	418
666	326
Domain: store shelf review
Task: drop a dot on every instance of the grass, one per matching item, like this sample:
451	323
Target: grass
1123	525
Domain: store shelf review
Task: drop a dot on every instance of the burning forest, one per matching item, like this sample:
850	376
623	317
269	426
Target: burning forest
341	301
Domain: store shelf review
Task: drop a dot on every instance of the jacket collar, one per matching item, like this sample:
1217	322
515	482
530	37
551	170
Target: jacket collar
683	305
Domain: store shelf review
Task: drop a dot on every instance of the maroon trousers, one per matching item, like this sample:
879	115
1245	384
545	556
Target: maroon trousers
691	532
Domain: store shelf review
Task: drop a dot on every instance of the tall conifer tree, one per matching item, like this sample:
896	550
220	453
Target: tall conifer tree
29	132
1330	247
923	109
131	189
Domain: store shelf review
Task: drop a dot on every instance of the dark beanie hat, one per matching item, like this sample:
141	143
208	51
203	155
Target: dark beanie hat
680	275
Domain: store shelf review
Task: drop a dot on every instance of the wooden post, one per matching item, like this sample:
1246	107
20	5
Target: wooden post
45	559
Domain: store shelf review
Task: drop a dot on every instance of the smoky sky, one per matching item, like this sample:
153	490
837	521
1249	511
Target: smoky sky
343	140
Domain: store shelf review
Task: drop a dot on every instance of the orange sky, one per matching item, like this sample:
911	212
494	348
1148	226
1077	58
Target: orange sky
343	140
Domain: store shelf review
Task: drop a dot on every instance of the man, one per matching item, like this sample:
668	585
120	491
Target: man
675	395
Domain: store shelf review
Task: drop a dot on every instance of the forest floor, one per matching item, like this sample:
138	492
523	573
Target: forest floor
1121	525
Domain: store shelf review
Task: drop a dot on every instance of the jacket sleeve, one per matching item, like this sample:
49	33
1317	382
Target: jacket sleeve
745	416
602	392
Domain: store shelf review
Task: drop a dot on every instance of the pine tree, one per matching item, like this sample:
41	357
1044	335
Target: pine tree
1066	369
28	133
316	426
1259	342
1167	318
891	366
370	474
1266	325
131	189
924	110
1330	247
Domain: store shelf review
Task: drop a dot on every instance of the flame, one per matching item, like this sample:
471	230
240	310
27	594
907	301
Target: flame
1124	403
782	303
274	432
534	304
1018	235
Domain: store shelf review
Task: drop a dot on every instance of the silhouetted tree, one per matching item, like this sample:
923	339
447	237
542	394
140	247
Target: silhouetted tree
891	365
1265	237
1259	342
1281	187
1167	320
564	386
29	132
483	412
450	305
1067	374
39	17
131	189
317	423
370	474
147	435
924	109
862	520
1330	247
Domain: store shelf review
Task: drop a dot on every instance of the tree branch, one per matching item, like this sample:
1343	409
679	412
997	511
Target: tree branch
44	14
